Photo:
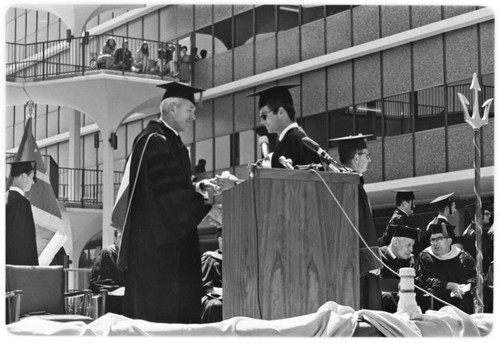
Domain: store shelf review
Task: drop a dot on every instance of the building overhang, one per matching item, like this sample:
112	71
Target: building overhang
430	186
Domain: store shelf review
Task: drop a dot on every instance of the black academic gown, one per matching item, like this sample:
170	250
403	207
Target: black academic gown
160	241
434	274
291	147
211	276
20	235
105	274
370	283
399	217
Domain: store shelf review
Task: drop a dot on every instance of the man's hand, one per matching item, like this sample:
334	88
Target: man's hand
226	180
210	185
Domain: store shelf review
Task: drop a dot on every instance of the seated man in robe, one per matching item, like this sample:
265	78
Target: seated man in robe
211	274
398	254
105	274
446	270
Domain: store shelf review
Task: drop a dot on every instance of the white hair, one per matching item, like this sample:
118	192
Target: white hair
165	104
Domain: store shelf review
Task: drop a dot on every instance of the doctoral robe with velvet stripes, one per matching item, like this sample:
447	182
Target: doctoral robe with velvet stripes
163	274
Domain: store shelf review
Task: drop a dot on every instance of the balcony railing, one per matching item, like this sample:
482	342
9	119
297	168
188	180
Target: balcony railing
81	55
78	187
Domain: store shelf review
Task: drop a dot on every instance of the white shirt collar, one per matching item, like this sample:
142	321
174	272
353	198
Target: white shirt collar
168	126
288	128
17	189
454	251
399	208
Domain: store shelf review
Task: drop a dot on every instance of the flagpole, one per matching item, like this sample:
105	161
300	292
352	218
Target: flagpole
476	122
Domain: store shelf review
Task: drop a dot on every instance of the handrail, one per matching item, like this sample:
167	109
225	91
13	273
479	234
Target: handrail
80	55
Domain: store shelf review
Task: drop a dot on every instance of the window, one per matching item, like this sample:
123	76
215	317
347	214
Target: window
312	13
334	9
203	39
369	118
222	152
243	28
223	35
315	127
245	152
397	115
204	150
429	108
288	17
265	21
340	124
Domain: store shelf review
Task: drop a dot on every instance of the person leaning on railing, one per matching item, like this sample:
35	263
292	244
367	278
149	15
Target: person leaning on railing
123	57
106	58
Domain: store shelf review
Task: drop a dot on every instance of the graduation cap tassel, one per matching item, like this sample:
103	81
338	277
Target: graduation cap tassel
476	121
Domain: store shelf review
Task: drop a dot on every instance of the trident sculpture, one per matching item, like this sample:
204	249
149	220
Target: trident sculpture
476	121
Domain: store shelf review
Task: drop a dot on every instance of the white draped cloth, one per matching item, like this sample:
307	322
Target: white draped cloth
330	320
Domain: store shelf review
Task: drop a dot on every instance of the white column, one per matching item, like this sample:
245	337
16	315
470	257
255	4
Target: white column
74	158
107	188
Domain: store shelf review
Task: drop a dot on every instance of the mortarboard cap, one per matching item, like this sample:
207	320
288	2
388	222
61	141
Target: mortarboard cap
443	200
279	93
404	194
179	90
404	231
18	168
349	144
445	230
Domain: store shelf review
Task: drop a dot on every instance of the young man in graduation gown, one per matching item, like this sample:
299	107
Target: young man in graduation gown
160	246
20	234
277	114
398	254
355	157
447	270
403	215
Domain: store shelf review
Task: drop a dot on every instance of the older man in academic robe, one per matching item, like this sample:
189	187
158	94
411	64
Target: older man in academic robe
160	246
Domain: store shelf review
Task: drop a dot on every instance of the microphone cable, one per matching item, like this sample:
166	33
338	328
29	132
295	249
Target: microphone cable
366	244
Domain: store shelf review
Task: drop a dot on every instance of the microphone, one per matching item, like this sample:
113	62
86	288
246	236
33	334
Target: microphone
264	145
286	162
332	164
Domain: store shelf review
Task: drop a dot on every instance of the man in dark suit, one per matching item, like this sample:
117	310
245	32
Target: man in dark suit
20	235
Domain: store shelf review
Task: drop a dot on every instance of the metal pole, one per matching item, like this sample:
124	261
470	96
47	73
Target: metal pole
479	305
476	121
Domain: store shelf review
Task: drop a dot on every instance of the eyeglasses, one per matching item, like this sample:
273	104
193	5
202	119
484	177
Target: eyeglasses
263	115
438	239
365	153
486	214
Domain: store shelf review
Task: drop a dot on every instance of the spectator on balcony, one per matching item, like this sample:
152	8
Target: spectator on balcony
184	65
203	54
123	57
106	56
165	56
142	59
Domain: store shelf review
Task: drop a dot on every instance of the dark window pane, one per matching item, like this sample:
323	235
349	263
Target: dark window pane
315	128
429	109
334	9
312	13
288	17
340	124
397	113
243	28
223	35
369	119
265	24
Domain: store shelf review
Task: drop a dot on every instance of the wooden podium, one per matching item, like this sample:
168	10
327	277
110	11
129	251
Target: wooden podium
288	248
